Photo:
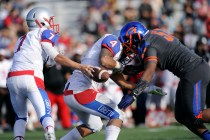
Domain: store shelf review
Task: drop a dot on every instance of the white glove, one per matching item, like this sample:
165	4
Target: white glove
118	68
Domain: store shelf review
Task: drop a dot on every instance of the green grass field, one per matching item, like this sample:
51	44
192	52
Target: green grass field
175	132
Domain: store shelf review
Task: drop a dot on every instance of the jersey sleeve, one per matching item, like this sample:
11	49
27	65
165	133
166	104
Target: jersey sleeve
49	36
112	44
150	56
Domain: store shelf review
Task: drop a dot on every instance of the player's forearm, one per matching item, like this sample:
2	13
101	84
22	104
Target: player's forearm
67	62
147	76
120	80
145	79
149	72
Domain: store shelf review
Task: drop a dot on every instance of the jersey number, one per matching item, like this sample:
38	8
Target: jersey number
164	35
113	43
21	42
51	37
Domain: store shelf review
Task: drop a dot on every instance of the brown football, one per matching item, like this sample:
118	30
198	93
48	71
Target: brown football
100	75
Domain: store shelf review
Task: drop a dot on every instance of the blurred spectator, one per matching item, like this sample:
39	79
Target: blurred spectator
8	117
117	20
27	8
79	48
145	12
98	3
4	11
64	42
89	41
130	14
179	33
157	6
202	48
208	26
65	38
14	19
91	20
188	26
7	39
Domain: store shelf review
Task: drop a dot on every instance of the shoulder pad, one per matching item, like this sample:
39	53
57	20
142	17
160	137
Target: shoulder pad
111	43
49	36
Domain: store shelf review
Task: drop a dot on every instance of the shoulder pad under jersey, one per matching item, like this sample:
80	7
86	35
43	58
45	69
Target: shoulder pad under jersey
112	43
49	36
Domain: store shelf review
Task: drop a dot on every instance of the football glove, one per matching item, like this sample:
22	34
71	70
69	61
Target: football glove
127	100
155	90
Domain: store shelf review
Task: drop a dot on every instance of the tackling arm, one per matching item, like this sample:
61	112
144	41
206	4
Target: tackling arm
150	62
119	79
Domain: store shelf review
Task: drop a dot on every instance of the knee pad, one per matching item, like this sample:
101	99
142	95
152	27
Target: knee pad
24	118
95	126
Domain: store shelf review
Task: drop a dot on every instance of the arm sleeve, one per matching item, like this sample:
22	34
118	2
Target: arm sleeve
49	49
150	56
111	43
49	36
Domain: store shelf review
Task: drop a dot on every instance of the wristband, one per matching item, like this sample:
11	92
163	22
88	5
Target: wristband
118	65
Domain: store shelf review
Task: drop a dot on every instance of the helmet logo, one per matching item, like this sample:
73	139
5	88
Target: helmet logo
131	30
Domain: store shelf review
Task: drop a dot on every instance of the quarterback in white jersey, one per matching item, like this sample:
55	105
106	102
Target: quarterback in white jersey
81	92
25	79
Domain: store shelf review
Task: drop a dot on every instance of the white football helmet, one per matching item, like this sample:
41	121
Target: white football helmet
41	17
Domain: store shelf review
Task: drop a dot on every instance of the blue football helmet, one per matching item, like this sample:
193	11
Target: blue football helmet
131	36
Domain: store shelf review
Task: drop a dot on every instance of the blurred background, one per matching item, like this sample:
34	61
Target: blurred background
82	22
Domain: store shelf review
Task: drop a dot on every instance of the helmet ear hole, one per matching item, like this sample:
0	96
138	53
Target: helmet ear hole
43	24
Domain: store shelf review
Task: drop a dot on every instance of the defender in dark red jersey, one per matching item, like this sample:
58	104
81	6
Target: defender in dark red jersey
157	48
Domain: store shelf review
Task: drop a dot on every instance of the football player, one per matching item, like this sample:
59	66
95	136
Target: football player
159	49
82	96
25	79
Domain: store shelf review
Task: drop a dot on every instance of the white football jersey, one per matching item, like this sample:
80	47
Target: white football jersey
79	81
28	52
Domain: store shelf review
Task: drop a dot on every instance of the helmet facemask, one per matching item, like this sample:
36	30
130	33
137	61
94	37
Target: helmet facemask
49	24
55	27
130	46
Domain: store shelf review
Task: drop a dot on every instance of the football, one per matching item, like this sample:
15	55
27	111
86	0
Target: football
100	75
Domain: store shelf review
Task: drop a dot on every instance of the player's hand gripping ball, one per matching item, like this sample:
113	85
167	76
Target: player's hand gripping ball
100	75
